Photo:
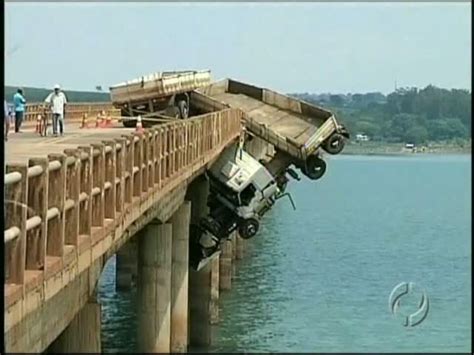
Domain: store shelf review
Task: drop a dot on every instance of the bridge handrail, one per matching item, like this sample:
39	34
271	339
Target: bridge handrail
76	191
75	109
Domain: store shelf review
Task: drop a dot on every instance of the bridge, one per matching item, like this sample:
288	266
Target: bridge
72	202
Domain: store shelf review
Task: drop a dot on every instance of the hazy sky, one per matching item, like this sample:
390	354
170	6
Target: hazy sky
304	47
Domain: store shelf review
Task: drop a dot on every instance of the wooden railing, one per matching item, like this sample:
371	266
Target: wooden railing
73	110
52	203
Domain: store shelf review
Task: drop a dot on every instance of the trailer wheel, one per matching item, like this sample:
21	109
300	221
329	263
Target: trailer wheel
248	228
315	167
334	144
183	109
172	111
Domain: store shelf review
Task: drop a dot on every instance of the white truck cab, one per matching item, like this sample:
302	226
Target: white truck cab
242	190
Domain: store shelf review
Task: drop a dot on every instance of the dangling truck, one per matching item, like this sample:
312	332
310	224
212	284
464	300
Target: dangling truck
243	189
297	130
158	95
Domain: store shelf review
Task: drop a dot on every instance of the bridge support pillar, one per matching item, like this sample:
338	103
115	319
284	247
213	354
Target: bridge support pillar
126	265
239	246
233	240
203	284
83	334
179	278
154	288
225	266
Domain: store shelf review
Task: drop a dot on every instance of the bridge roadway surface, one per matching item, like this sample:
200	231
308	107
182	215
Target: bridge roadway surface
54	258
28	144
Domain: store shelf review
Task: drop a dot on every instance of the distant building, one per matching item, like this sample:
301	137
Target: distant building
361	138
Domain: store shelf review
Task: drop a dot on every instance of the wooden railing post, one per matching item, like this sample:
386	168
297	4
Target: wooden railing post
98	181
73	186
110	175
128	158
156	156
36	239
85	209
137	163
166	154
15	204
144	142
56	199
151	158
119	174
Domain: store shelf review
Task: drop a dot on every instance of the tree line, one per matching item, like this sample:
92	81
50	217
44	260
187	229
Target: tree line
39	95
409	115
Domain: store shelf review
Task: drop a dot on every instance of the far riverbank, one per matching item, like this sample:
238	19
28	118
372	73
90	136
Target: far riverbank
378	148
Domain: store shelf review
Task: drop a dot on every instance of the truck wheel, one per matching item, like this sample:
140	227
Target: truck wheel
315	167
183	109
172	111
248	228
334	144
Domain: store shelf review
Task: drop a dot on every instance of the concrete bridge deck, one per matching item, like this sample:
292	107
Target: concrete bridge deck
71	202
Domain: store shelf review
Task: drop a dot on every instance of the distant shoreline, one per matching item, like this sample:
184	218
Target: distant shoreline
391	149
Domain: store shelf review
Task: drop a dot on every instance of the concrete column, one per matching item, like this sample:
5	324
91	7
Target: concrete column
154	288
179	278
83	334
239	252
214	303
225	266
203	305
203	284
233	240
126	265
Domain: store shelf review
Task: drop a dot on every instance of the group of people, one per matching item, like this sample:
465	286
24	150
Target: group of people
56	102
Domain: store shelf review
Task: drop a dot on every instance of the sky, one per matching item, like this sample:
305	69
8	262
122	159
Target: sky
288	47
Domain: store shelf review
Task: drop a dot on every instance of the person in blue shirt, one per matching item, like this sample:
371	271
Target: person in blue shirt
19	103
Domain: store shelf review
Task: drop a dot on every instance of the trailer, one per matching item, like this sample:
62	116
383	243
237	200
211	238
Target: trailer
298	130
161	94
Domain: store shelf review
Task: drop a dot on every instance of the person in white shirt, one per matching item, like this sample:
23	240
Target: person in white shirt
57	101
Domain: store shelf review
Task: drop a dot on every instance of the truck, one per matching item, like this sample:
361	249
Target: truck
241	191
161	94
298	130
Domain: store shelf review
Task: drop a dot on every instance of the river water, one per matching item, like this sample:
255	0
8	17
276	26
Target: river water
319	278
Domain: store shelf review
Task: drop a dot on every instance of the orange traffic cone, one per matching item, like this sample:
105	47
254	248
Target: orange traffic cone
38	124
102	120
85	121
108	121
139	127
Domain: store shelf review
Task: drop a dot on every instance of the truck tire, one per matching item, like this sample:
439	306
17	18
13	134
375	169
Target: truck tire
172	111
183	109
334	144
248	228
315	167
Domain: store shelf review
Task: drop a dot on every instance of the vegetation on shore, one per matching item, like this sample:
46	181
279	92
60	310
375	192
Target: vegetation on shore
408	115
39	95
434	118
385	148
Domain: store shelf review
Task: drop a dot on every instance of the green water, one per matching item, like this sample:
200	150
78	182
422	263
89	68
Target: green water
319	278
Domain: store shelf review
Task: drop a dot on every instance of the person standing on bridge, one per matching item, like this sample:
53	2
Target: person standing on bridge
57	101
19	104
